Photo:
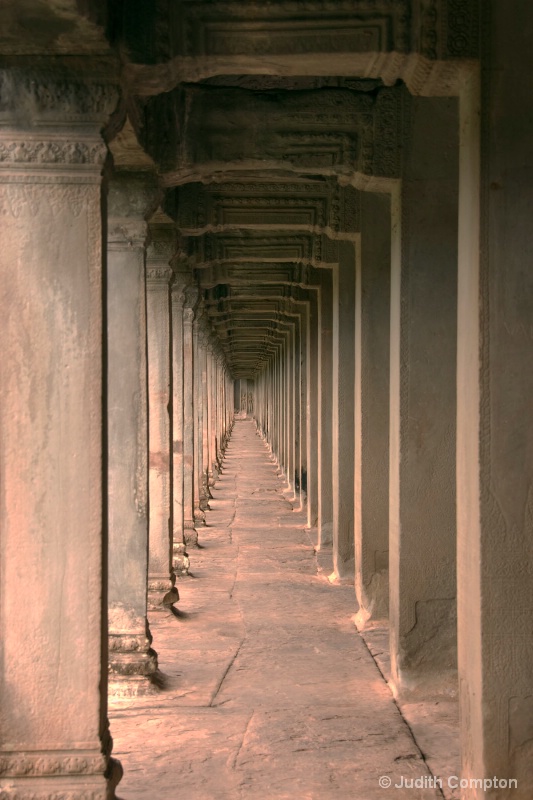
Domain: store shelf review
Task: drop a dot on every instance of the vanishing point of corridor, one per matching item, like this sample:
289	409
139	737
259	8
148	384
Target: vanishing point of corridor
268	689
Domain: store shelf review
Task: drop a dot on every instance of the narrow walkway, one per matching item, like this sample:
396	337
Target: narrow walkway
269	690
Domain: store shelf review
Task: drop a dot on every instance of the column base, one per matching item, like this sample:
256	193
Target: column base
180	560
190	534
126	687
412	686
199	516
162	594
373	599
205	495
130	655
205	492
57	774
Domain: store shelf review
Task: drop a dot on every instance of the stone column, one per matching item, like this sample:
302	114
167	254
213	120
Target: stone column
343	435
131	660
189	310
276	437
283	405
302	356
211	416
200	501
423	405
162	591
54	738
289	409
220	410
180	557
495	430
312	411
206	410
372	371
325	405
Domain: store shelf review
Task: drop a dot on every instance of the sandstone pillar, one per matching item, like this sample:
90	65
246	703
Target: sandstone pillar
495	434
189	310
290	408
200	499
161	577
212	471
180	557
302	356
344	285
372	371
281	401
206	410
220	411
54	738
131	659
325	405
314	389
423	405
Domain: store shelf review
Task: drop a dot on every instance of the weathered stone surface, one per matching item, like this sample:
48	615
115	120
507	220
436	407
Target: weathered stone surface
54	737
262	702
423	351
161	577
132	662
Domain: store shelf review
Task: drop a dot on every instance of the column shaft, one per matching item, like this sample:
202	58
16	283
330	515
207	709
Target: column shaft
495	431
189	528
180	557
325	411
343	434
161	578
131	659
423	405
372	362
54	737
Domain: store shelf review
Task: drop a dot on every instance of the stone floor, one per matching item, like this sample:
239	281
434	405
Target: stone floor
268	691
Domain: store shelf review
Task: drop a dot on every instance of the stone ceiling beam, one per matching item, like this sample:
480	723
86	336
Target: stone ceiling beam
391	39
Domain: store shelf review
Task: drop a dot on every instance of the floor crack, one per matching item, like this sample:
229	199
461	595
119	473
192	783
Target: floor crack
234	765
223	678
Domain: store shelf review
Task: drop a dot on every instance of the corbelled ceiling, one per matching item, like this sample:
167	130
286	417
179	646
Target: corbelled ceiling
264	121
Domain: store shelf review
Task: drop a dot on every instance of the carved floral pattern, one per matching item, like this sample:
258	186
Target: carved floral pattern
26	765
462	22
52	152
159	275
61	96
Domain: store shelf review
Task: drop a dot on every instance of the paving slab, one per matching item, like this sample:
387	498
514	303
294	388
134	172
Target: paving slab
266	688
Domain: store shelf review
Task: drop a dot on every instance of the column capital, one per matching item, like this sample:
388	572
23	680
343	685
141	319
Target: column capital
191	295
51	116
212	343
126	234
132	195
131	198
158	276
183	277
177	295
163	242
199	315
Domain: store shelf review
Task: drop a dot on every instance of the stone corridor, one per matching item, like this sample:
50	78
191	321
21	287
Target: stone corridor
266	441
269	691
